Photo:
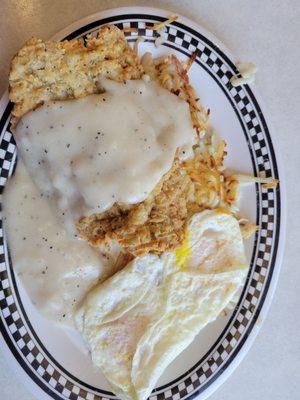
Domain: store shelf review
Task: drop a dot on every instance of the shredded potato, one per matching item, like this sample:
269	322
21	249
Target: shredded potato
190	61
268	183
130	30
246	74
247	228
136	44
272	184
163	24
212	188
171	74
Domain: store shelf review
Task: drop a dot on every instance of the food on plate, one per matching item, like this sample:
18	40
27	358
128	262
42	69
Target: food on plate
53	70
246	74
140	319
56	269
80	162
127	222
159	223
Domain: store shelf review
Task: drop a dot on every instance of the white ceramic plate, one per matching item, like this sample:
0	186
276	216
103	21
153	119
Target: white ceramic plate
53	361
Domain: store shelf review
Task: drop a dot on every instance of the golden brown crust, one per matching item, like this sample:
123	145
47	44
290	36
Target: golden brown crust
52	70
152	226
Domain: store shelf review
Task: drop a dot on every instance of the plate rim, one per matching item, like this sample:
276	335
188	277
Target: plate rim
281	239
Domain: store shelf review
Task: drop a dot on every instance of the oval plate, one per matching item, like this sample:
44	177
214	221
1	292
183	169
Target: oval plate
54	361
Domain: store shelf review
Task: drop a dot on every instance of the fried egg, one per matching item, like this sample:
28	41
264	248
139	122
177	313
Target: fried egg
138	321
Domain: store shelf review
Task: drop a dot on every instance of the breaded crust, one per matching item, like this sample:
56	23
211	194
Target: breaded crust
155	225
52	70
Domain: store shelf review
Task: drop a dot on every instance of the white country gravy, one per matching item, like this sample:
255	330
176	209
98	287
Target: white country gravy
89	153
56	269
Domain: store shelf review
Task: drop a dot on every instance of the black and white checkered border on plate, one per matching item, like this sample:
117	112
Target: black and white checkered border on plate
15	326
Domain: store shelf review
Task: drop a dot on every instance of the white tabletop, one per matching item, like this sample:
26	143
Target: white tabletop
266	33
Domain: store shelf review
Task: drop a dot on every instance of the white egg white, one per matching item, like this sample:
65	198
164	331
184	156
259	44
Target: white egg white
138	321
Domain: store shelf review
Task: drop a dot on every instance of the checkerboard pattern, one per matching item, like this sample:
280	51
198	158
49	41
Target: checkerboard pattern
7	154
21	337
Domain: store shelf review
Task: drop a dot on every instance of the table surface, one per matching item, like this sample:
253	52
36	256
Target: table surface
266	33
